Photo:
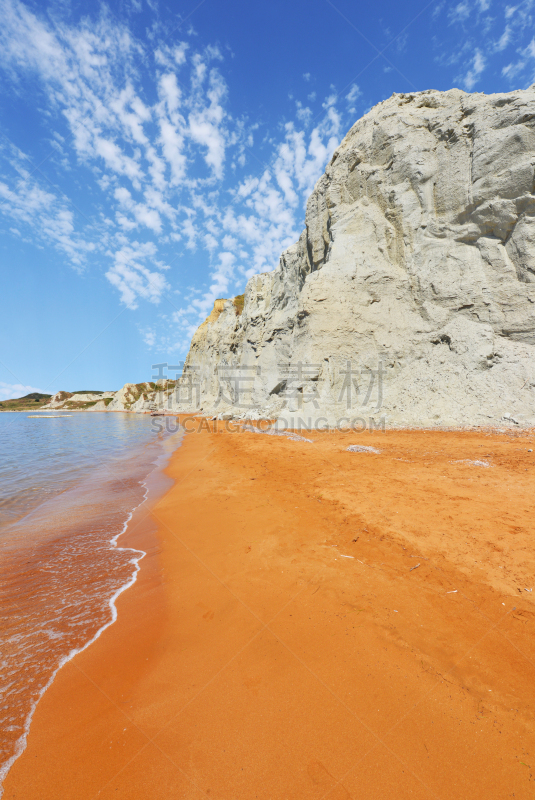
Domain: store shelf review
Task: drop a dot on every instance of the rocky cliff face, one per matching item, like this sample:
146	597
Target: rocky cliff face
82	401
411	292
134	397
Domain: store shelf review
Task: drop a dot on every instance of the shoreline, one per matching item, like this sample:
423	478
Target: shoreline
151	487
302	427
139	555
271	644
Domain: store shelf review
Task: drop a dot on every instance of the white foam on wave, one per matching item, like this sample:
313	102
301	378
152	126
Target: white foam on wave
139	555
21	744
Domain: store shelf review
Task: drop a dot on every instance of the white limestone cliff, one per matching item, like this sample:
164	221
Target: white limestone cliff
140	398
57	400
416	269
78	401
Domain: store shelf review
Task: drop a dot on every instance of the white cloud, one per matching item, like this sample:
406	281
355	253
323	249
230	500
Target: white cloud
210	242
143	214
190	232
351	98
266	215
206	120
304	114
511	70
204	129
478	64
172	142
460	13
220	281
151	132
12	391
229	242
132	278
149	337
401	42
116	160
330	100
353	95
169	92
89	73
171	57
482	38
179	52
40	210
504	39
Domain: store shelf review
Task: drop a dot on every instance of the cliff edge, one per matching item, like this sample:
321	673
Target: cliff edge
410	294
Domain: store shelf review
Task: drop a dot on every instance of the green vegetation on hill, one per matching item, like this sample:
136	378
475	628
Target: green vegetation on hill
27	403
79	405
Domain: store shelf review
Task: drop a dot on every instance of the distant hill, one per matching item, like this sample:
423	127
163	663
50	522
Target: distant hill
27	403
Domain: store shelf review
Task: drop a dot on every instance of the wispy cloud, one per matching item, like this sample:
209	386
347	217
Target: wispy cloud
477	66
130	275
521	64
460	12
168	174
139	153
351	98
11	391
50	216
486	34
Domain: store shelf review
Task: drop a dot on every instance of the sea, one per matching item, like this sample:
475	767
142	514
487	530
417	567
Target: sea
69	486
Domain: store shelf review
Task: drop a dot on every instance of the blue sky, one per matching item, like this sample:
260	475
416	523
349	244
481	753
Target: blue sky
155	155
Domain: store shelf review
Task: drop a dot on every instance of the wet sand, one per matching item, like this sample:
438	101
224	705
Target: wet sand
312	623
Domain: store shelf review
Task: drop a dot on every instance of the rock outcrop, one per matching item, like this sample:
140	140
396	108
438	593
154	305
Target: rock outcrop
410	295
141	398
58	400
80	401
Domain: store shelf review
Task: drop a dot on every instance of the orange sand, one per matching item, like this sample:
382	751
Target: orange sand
252	660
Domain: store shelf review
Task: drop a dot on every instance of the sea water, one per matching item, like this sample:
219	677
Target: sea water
68	486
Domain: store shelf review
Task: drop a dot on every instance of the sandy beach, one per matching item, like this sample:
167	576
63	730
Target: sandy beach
312	623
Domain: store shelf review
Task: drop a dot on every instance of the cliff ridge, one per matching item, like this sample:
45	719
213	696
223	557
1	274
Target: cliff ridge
410	295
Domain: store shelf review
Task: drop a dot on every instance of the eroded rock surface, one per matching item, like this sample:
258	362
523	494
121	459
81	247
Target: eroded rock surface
411	292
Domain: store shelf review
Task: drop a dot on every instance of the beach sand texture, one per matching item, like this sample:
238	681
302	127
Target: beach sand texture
312	623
